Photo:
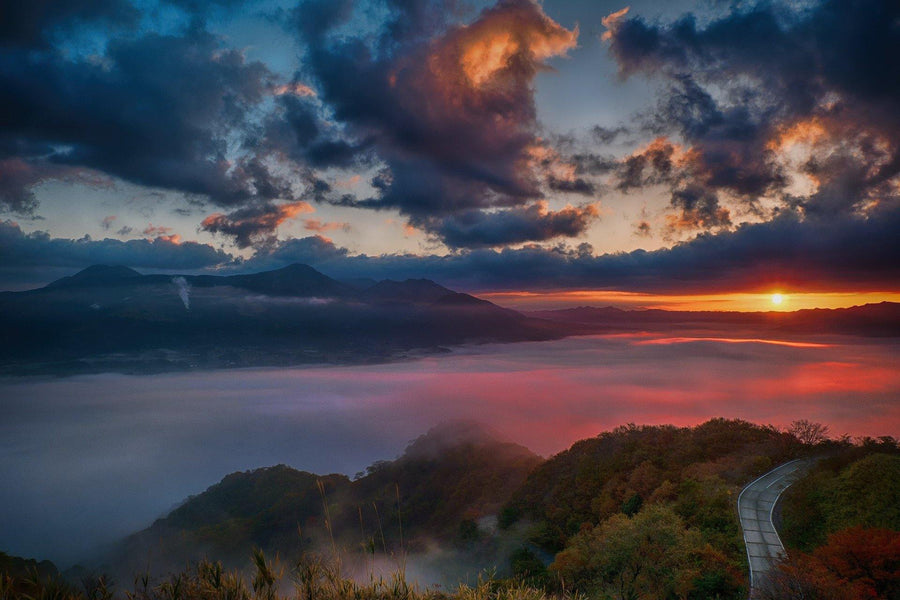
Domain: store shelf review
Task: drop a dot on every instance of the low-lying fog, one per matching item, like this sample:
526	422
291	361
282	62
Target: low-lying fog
85	460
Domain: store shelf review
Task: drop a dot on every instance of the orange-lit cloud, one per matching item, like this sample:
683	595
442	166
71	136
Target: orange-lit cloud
611	22
323	226
156	231
170	239
560	174
254	224
107	221
349	183
492	44
695	218
809	131
452	114
294	89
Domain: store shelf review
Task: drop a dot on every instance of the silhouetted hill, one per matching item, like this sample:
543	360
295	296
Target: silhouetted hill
114	319
26	567
98	275
454	473
416	291
294	280
599	477
439	494
637	499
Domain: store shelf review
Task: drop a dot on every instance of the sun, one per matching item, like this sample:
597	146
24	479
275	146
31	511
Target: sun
777	299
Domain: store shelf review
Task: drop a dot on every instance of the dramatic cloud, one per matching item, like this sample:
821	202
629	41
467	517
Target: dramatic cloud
786	253
17	176
772	113
33	24
156	110
152	230
699	209
38	249
532	223
796	105
449	109
324	226
254	225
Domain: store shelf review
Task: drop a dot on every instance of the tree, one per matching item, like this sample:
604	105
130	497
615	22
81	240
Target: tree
854	564
650	555
808	433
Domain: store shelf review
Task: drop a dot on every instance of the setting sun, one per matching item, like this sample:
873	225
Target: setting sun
777	299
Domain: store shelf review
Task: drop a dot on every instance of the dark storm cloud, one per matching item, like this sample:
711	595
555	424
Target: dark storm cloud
16	179
513	226
607	135
298	130
156	110
744	88
699	208
448	109
814	254
314	250
17	176
33	23
254	225
572	186
38	249
593	164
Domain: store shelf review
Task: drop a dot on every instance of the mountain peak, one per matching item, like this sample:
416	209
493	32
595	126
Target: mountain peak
293	280
97	274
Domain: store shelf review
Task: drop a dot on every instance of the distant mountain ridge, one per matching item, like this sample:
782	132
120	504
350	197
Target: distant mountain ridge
879	320
112	318
97	275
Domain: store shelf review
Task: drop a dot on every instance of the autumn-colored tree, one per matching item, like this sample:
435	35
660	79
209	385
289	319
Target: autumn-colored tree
651	555
855	564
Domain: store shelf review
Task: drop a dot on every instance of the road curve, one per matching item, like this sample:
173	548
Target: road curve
756	503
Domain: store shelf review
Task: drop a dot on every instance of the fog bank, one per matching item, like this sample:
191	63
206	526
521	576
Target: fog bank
85	460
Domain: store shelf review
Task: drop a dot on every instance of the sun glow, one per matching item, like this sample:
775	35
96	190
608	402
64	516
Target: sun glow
747	301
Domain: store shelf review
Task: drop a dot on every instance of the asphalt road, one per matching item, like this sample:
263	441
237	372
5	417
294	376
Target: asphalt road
756	503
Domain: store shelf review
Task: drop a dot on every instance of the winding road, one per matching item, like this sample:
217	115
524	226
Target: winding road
756	503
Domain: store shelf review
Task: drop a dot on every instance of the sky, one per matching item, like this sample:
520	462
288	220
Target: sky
175	434
678	149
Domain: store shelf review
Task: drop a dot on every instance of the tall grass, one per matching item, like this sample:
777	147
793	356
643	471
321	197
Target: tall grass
313	577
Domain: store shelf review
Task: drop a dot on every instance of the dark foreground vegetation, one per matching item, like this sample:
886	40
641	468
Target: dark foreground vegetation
635	513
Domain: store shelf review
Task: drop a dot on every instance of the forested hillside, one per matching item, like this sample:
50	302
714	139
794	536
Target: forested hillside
637	512
841	525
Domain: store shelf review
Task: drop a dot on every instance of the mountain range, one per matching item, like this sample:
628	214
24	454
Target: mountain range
113	318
